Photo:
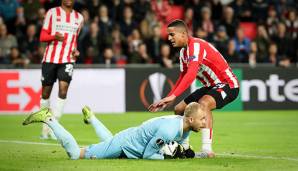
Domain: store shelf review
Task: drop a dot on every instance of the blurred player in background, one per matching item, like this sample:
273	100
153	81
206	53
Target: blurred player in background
199	59
143	142
60	30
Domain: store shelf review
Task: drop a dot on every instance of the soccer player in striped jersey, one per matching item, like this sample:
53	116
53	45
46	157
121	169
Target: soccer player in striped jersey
60	30
199	59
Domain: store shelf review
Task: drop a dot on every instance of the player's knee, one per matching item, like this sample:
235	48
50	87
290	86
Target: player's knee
45	95
46	91
74	153
74	156
62	94
204	104
179	110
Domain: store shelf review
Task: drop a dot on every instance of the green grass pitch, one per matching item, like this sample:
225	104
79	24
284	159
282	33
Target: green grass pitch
255	140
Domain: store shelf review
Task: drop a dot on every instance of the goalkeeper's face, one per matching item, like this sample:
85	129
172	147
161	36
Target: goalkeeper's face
197	122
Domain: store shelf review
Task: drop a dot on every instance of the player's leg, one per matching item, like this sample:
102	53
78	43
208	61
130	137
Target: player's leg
64	137
64	75
216	98
110	148
49	76
61	99
45	103
193	97
208	103
180	107
102	132
60	102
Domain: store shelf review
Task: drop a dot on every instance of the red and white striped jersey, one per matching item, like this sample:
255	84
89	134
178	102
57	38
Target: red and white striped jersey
68	24
212	69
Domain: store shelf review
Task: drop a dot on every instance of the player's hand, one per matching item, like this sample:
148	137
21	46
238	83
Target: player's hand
155	107
189	153
75	54
179	152
59	36
163	103
166	100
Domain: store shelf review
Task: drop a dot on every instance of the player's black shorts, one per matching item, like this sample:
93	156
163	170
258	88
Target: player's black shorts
51	72
222	93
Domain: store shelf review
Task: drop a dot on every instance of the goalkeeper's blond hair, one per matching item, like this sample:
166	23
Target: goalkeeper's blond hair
192	109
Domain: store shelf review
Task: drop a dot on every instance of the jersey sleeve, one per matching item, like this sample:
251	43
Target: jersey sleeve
81	18
196	52
81	23
177	83
45	36
183	66
194	62
183	69
47	23
188	78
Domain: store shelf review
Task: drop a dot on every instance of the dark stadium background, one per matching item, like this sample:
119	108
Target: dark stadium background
217	21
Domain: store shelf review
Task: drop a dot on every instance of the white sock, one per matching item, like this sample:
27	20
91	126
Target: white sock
45	129
44	103
207	134
58	110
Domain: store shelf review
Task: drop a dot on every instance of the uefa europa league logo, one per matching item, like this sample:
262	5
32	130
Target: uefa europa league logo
157	82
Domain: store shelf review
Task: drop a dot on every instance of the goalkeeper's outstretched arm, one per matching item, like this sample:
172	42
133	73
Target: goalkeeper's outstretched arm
152	150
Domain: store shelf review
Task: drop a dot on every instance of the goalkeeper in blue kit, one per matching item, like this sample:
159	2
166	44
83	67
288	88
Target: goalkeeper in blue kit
146	141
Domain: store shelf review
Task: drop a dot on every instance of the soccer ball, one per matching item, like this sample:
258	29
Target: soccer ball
169	148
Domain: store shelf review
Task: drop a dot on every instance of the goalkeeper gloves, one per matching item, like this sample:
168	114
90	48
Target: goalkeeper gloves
177	153
181	153
189	153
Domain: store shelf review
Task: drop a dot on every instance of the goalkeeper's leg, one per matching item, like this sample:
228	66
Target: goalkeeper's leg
108	149
101	131
64	137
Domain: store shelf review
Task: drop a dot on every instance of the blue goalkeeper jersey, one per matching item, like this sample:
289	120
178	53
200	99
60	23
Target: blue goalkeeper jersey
146	140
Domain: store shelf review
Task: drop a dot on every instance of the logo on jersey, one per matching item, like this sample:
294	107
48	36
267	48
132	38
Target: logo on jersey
219	88
154	84
191	58
160	143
